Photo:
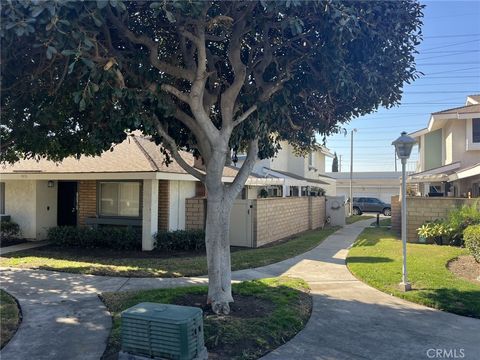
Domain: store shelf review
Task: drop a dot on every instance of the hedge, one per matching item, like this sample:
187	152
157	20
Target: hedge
118	238
471	236
180	240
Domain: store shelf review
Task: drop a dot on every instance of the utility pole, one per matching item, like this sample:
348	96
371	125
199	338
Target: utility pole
395	156
351	171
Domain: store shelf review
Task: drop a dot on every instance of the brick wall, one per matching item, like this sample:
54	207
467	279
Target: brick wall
163	204
272	218
423	209
396	213
317	212
87	200
195	212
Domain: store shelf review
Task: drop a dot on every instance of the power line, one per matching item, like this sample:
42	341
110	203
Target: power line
442	92
449	45
449	36
453	70
449	63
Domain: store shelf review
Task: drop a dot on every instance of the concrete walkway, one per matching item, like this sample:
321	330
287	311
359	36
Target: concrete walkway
22	246
64	319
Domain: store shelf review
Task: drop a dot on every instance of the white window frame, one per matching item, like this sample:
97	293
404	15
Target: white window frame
99	199
469	137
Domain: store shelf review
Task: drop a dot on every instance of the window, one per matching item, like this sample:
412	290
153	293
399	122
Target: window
119	199
310	160
2	198
476	130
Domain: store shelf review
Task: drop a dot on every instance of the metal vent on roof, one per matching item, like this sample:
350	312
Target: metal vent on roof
163	331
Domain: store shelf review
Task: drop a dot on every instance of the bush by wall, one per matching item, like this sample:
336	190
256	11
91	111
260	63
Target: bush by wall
9	230
471	236
116	238
182	240
459	219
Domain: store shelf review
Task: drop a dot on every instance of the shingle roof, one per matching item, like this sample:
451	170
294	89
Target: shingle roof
136	153
460	110
298	177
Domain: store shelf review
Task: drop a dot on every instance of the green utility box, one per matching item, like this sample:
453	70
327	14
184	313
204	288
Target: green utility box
163	331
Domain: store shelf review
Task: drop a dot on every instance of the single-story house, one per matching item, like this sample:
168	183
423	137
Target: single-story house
128	186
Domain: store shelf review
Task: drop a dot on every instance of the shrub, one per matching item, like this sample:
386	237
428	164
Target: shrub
471	235
180	240
112	237
9	230
459	219
435	231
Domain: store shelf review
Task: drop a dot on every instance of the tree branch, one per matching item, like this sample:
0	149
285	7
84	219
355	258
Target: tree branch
170	144
244	116
245	170
152	46
175	92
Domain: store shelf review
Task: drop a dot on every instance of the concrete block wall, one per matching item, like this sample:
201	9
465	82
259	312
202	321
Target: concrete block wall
272	218
423	209
87	200
195	213
278	218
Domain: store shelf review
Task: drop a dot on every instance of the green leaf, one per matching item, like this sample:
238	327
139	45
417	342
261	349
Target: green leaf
88	62
50	51
70	67
102	3
68	52
82	105
37	11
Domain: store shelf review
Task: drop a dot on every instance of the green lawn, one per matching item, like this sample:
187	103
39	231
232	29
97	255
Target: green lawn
9	317
376	258
104	262
354	218
383	222
248	336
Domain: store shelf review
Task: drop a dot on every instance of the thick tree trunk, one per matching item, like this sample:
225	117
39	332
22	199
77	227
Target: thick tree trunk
218	253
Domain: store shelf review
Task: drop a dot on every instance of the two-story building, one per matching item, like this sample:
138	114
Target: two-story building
296	175
449	152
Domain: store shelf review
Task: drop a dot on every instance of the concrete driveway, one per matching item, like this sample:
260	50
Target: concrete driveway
64	319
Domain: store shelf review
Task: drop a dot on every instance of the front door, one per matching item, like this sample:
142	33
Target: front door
67	203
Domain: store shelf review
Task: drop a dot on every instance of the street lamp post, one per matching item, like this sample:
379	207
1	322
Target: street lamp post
351	172
403	147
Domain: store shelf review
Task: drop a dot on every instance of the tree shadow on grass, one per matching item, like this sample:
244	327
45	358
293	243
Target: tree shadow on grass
465	303
368	259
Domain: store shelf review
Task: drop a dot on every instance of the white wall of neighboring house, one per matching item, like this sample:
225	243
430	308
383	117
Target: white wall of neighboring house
46	208
179	191
20	204
381	185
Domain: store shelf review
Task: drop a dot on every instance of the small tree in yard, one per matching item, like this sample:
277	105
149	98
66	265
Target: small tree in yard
209	77
335	163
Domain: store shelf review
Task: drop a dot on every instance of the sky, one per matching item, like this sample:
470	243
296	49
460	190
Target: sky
449	56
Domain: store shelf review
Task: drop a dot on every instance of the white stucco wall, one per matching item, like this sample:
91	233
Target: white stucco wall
46	208
179	191
20	204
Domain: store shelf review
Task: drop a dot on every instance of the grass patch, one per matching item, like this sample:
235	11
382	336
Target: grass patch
383	222
354	218
155	264
376	258
232	336
9	317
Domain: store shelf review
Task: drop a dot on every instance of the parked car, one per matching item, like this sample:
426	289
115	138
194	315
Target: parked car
370	204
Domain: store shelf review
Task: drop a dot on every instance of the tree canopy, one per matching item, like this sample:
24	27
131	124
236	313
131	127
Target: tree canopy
77	74
335	163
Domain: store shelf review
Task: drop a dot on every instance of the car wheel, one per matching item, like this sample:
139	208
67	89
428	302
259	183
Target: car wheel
387	212
356	211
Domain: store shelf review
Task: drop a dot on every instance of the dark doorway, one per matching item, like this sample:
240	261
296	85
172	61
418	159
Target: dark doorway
67	203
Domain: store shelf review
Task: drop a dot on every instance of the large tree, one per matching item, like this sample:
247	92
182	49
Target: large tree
335	163
210	77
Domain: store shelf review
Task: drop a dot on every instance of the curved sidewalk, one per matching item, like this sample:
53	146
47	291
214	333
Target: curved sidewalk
64	319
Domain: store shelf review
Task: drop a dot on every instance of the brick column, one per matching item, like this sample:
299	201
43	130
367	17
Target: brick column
87	200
